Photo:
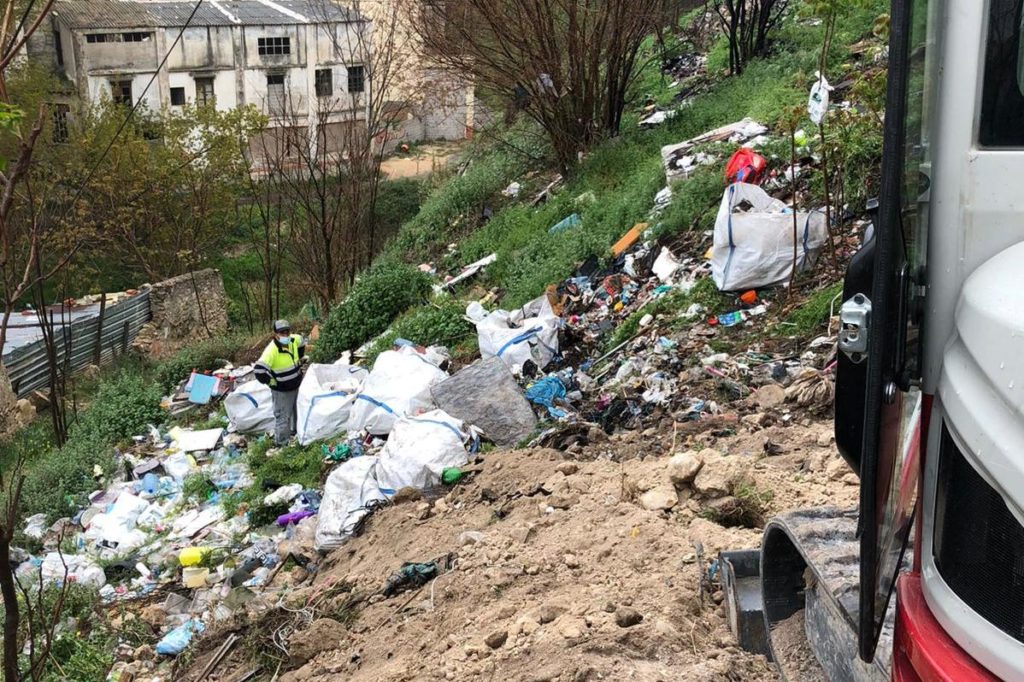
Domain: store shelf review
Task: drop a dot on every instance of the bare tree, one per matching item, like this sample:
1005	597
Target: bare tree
748	24
567	64
320	157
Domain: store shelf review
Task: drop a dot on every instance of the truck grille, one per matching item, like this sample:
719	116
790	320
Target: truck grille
978	543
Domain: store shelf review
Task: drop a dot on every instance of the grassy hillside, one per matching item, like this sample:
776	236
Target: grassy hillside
614	186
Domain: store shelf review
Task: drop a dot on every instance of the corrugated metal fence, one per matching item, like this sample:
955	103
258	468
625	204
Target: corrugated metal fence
27	365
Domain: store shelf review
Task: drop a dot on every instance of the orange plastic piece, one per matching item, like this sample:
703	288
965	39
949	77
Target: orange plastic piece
749	297
628	239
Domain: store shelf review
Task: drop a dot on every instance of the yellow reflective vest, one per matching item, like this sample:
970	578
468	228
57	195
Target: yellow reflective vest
279	366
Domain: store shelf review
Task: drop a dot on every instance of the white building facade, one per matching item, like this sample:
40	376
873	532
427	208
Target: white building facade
301	62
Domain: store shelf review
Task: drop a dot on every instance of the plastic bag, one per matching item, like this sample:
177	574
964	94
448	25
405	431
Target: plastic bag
530	333
35	526
80	570
419	449
745	165
666	266
398	385
349	492
178	639
755	249
545	392
250	408
116	528
325	396
817	102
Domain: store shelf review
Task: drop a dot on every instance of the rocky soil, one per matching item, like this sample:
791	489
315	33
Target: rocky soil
565	566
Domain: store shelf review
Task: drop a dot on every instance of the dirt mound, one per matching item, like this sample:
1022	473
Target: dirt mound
559	571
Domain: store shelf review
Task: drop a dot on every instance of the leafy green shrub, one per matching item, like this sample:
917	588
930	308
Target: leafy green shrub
58	481
442	322
378	296
121	408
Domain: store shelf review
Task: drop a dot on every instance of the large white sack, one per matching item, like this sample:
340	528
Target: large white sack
250	408
420	448
398	385
348	493
755	248
325	396
530	333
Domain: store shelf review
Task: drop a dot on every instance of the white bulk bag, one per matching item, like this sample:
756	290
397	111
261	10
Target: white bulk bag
755	249
530	333
420	448
350	490
250	408
325	396
399	384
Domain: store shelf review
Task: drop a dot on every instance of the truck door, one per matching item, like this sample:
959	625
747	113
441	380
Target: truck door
878	404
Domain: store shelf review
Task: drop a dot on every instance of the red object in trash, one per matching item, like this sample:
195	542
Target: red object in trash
749	297
745	165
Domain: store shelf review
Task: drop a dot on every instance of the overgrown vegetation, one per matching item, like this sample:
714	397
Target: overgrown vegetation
812	316
440	322
290	464
378	296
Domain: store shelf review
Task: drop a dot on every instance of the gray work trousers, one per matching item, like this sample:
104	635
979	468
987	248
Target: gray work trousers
284	415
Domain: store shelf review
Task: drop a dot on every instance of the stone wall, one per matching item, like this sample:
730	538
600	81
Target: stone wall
14	414
184	308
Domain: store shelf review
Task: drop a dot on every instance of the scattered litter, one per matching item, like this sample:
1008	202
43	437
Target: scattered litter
566	223
657	118
470	270
178	639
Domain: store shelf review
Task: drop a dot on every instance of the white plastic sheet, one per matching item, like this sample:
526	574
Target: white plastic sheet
530	333
420	448
348	494
117	528
250	408
398	385
666	266
188	440
325	396
77	568
755	248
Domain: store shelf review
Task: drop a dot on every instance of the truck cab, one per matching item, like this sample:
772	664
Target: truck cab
930	384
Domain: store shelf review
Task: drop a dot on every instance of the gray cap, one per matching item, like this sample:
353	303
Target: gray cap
282	326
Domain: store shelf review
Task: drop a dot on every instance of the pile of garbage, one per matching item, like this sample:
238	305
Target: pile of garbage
550	373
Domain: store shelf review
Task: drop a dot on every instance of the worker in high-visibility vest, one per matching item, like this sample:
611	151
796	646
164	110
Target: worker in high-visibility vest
280	367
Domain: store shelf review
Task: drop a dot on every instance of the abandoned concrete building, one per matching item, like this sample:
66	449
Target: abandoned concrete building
424	101
301	62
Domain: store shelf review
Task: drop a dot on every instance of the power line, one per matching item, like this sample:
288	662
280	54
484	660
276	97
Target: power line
132	111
